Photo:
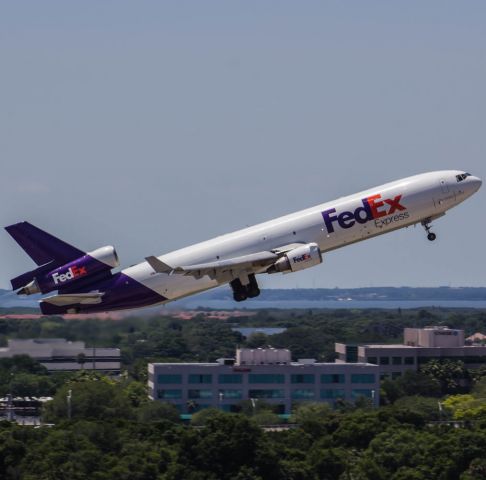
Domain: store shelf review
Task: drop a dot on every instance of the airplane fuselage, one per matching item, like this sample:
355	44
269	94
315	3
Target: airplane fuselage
330	225
289	243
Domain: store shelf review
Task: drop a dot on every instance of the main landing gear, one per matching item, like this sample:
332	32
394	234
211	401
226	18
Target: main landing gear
430	235
242	292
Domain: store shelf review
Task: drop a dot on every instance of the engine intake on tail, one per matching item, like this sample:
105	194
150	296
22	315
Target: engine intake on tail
297	259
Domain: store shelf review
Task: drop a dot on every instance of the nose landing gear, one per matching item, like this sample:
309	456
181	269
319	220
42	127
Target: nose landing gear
242	292
431	236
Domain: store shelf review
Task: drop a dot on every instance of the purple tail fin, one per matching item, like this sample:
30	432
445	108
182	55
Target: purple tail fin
41	246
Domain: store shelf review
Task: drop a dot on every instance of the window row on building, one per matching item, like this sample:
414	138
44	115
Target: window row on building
264	378
235	394
391	360
467	359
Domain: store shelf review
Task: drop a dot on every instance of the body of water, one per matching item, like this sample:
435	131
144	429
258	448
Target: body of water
332	304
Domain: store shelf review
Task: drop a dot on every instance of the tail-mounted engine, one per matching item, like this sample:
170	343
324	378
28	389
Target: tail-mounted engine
297	259
46	278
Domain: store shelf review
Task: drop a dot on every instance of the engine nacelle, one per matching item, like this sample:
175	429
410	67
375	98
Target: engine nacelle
92	264
106	255
297	259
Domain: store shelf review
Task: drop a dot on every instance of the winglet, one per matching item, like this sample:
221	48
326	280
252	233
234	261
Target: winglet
158	265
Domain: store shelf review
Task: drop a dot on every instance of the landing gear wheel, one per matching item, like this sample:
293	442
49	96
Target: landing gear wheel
253	290
252	293
431	236
239	296
240	291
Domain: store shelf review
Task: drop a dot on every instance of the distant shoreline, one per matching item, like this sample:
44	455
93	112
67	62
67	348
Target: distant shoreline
329	305
307	298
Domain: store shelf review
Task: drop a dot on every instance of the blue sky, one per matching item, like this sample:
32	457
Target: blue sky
154	125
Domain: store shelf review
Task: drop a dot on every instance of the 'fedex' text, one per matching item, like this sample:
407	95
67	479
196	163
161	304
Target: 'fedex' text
301	258
374	207
71	274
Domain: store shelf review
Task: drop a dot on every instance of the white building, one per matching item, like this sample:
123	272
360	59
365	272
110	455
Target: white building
58	354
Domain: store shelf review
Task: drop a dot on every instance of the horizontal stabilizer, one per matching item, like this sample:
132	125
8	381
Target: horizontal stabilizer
41	246
74	299
158	265
27	277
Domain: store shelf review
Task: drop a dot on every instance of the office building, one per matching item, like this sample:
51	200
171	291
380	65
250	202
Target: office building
58	354
420	345
260	375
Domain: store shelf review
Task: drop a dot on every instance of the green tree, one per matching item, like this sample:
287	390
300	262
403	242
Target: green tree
205	415
12	451
425	407
476	470
22	363
266	418
358	428
315	419
327	463
419	383
154	411
227	443
466	407
256	340
31	385
390	391
137	393
451	375
91	399
63	454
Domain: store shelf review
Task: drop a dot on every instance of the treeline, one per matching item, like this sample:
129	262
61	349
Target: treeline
114	432
431	425
309	334
367	293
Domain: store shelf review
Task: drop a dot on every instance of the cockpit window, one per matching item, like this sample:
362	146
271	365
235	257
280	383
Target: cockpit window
462	176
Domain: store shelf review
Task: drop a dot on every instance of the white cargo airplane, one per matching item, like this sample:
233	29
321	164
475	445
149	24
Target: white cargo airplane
85	283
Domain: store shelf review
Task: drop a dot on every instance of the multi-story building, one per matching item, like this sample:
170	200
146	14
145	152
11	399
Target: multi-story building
58	354
420	346
260	374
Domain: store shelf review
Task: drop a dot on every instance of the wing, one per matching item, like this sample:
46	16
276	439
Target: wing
231	267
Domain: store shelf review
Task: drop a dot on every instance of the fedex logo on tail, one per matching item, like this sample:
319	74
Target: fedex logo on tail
71	274
374	207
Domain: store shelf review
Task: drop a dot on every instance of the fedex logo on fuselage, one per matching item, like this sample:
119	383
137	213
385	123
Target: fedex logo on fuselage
374	207
71	274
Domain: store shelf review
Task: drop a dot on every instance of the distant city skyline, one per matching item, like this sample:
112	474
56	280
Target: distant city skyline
155	125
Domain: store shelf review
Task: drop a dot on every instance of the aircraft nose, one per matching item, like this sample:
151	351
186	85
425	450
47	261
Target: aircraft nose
474	183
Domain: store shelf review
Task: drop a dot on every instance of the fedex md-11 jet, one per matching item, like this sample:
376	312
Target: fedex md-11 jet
85	282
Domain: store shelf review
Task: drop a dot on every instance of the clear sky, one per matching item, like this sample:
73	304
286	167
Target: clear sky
152	125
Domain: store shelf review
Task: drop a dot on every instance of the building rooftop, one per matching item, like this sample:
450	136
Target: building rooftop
394	345
59	353
477	337
235	366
